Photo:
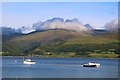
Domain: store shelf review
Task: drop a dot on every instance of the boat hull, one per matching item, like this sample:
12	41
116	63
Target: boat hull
89	65
25	62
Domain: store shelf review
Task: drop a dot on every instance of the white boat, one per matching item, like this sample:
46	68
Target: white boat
91	64
28	61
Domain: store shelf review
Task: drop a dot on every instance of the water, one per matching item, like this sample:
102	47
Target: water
12	67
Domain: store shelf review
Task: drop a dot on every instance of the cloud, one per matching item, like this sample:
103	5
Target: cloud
59	23
112	26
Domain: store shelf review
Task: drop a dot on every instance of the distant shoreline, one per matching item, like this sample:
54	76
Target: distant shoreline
58	57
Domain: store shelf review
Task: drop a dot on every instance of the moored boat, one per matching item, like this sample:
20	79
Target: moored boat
28	61
90	64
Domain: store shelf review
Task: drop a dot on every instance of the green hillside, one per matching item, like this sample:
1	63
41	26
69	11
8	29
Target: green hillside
62	42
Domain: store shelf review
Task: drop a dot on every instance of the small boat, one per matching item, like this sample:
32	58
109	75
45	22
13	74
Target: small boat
91	64
28	61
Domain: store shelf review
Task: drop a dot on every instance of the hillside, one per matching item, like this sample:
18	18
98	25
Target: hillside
61	41
22	43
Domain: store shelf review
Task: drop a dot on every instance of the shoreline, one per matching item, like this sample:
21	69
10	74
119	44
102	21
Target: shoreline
60	57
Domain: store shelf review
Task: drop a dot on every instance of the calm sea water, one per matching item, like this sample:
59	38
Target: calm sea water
58	68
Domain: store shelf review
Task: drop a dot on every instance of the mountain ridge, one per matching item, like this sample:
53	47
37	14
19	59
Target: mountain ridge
30	42
59	40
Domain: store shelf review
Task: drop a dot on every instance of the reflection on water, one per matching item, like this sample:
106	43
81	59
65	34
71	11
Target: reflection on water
58	68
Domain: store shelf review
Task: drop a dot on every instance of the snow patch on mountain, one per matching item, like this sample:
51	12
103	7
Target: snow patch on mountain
25	30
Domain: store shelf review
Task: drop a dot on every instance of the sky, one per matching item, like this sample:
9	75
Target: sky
97	14
60	0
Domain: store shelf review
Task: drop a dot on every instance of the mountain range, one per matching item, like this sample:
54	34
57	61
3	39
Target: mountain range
59	35
59	23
